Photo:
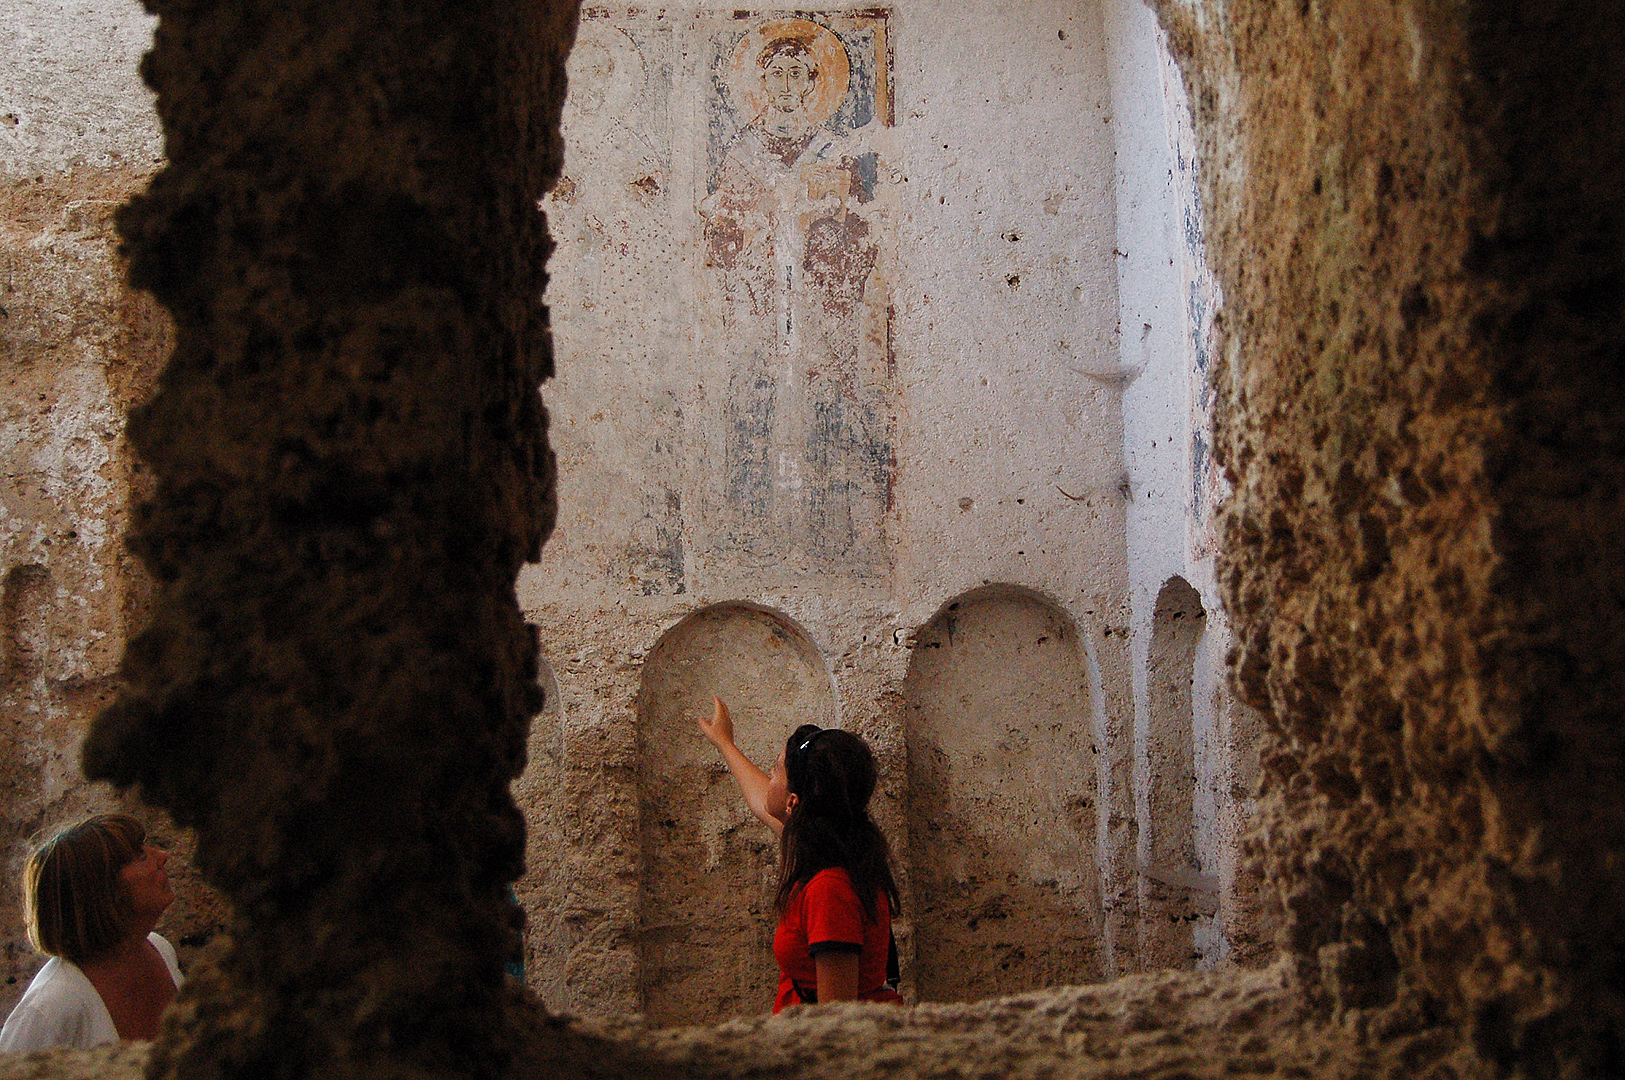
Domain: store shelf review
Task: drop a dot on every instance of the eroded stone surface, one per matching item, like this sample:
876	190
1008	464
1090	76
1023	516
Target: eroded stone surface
1164	1025
1416	217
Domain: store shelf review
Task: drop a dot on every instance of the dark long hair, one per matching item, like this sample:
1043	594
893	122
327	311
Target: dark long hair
832	775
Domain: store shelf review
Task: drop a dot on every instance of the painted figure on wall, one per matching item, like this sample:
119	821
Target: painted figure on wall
610	214
607	208
795	250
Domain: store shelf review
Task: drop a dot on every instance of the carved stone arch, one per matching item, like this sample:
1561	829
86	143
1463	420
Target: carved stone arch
706	921
1002	795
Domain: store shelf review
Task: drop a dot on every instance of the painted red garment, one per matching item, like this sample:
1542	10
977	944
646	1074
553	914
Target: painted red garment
825	915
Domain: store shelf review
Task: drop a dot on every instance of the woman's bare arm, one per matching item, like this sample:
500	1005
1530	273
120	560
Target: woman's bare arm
753	782
837	976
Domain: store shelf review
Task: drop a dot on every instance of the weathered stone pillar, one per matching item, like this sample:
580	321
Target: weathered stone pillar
351	463
1418	220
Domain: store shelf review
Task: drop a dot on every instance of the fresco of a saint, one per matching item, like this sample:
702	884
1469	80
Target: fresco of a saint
796	252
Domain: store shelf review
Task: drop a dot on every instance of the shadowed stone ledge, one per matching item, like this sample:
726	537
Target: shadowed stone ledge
1167	1025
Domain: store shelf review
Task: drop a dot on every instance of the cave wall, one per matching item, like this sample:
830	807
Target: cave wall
78	348
931	409
1177	896
1003	734
1168	301
1415	217
938	405
543	889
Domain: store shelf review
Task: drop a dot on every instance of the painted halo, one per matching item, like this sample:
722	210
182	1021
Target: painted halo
829	57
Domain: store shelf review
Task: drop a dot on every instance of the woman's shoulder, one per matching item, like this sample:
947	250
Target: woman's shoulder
834	885
59	980
830	880
167	951
59	1008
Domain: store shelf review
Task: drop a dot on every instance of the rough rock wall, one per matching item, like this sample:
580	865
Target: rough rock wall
350	465
1417	214
78	347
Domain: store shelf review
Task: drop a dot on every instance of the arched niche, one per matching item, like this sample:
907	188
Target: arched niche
1002	775
705	930
542	795
1176	890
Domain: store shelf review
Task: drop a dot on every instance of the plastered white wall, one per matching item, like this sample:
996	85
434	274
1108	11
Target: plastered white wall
1167	305
995	183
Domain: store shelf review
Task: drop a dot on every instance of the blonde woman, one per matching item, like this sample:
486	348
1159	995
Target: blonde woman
92	894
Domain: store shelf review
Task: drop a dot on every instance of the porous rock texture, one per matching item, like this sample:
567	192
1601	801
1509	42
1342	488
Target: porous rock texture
351	465
1166	1025
70	588
1415	216
1418	219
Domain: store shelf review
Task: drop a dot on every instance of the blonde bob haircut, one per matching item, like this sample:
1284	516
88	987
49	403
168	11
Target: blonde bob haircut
74	904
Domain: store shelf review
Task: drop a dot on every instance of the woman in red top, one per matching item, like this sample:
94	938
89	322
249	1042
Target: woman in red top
836	890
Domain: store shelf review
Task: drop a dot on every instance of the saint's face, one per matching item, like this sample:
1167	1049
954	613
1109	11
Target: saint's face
788	80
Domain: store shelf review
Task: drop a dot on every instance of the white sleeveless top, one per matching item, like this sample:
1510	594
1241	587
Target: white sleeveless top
62	1009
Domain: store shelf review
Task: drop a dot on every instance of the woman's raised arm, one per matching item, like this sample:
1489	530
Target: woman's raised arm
753	783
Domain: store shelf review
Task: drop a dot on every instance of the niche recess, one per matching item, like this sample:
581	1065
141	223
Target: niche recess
1175	890
1001	753
706	904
